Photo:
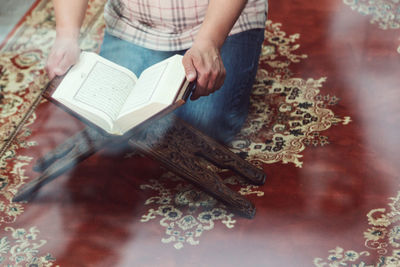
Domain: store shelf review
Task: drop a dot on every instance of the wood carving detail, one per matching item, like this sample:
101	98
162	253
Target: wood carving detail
177	146
170	141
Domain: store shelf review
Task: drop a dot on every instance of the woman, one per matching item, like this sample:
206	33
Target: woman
220	41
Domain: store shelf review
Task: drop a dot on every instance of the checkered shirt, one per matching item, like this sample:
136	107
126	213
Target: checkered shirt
171	25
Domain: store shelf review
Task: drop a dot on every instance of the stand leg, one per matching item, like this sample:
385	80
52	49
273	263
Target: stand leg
74	150
219	155
186	166
187	137
170	143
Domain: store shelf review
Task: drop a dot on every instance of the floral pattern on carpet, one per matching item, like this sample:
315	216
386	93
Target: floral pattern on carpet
22	61
186	212
22	249
385	13
287	114
22	77
382	237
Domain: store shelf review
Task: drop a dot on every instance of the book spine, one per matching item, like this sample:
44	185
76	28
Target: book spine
189	90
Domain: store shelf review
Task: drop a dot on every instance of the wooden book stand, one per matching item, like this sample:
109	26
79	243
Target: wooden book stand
166	139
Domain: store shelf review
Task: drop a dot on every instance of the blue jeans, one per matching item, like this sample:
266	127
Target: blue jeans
221	114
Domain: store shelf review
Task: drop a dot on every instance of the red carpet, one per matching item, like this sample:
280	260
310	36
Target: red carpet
323	125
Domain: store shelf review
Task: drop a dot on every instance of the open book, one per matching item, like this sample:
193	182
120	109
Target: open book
114	99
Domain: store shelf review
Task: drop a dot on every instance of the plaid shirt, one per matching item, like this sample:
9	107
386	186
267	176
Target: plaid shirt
170	25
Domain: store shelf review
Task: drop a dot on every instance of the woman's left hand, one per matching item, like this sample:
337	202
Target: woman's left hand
203	64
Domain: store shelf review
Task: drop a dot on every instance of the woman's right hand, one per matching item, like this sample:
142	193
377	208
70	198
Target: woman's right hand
64	53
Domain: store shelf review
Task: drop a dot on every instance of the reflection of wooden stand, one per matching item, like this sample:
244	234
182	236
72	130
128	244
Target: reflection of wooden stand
168	140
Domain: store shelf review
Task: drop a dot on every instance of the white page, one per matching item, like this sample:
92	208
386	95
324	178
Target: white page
157	87
145	87
138	116
105	89
170	82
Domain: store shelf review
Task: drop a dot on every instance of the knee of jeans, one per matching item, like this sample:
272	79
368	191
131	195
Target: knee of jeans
221	125
226	127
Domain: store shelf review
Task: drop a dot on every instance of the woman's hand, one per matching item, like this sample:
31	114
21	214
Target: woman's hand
203	63
64	53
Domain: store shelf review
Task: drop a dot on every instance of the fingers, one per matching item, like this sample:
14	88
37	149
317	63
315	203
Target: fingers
190	70
51	64
63	55
221	77
65	63
59	63
210	79
209	69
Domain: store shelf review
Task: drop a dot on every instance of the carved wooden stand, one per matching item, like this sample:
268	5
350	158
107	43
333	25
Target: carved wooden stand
170	141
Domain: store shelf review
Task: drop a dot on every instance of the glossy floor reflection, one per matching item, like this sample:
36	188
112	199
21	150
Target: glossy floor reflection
323	125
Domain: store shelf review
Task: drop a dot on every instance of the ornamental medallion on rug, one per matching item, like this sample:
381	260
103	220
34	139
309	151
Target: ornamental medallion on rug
381	238
185	212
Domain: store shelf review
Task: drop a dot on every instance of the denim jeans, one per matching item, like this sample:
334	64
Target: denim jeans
221	114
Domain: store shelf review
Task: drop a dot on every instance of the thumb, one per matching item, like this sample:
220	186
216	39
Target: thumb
190	70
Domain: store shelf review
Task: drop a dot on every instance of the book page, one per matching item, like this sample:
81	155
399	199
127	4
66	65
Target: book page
155	90
105	89
145	87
